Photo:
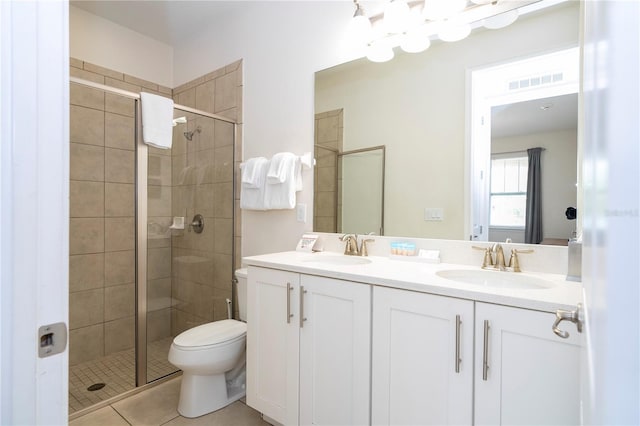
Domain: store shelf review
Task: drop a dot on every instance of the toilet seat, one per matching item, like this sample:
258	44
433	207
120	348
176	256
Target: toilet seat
210	335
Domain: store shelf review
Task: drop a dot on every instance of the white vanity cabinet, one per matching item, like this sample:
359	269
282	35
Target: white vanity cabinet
422	359
335	345
524	373
273	343
531	375
323	350
308	348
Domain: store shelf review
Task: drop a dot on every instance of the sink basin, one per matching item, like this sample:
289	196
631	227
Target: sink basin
338	260
496	279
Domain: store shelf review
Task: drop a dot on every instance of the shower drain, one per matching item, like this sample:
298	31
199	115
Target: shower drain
95	387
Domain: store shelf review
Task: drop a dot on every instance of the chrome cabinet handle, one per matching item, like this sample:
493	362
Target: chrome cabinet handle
562	315
302	318
485	351
458	359
289	314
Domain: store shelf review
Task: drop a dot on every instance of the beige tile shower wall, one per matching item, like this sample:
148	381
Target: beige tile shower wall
202	179
102	221
327	200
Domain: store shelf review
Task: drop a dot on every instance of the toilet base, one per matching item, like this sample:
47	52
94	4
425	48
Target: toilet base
200	395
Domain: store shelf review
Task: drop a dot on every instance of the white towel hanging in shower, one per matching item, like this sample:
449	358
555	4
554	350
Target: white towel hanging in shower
157	120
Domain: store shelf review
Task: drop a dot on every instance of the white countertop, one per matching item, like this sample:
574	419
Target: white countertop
422	277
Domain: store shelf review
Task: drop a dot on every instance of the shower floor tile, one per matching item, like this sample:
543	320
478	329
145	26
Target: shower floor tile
117	372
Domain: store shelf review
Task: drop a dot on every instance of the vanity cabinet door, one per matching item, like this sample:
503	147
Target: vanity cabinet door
416	379
334	352
532	375
273	343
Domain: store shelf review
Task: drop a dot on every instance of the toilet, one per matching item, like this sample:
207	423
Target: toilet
212	358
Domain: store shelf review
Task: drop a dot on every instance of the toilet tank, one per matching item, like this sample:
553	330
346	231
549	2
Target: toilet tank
241	277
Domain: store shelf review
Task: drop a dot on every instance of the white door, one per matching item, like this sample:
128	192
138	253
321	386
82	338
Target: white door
34	212
532	375
416	379
272	343
334	352
611	182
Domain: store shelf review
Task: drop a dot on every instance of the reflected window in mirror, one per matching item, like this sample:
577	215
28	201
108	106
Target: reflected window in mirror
508	192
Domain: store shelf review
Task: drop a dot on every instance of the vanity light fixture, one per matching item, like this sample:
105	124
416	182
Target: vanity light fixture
380	51
360	26
501	20
454	31
413	24
396	16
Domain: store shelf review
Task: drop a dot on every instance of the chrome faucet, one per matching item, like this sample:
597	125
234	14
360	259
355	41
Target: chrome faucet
351	246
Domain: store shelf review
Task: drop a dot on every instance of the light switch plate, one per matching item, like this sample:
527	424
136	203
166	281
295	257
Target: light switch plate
434	214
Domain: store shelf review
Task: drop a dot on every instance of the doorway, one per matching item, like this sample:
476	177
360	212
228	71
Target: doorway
539	82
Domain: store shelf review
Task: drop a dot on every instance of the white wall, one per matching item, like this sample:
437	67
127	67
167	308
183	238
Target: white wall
282	44
102	42
559	176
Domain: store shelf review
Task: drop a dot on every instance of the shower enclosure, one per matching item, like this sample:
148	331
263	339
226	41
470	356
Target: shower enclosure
138	277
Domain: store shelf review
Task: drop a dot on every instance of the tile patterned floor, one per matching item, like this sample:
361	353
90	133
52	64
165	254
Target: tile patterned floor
117	372
158	406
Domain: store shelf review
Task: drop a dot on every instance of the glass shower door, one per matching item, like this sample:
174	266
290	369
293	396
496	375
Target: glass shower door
189	268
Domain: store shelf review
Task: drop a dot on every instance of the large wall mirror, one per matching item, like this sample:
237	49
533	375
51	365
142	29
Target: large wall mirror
418	107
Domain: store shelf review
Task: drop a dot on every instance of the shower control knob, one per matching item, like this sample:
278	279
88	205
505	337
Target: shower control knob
197	224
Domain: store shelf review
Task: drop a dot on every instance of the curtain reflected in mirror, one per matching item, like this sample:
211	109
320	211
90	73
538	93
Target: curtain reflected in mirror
533	227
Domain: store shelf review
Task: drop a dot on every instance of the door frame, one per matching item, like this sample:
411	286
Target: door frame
34	211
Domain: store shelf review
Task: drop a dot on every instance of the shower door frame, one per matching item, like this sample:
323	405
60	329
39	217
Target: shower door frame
141	206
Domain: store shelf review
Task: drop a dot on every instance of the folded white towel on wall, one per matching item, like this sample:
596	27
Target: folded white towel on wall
157	120
280	190
252	172
281	167
272	184
278	196
253	198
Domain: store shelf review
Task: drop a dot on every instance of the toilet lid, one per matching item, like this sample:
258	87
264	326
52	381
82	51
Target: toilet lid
211	333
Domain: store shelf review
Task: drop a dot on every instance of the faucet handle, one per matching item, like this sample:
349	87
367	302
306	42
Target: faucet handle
488	260
363	246
514	263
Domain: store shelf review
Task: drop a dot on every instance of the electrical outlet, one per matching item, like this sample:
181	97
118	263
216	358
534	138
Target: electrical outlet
301	213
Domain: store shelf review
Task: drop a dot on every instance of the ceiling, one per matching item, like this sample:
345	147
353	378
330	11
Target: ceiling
522	118
171	22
